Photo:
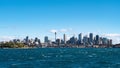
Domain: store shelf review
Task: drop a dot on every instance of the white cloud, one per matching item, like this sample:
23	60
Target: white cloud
6	38
63	30
60	30
53	30
112	35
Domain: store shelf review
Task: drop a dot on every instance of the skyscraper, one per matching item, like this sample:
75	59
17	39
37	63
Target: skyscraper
73	40
27	40
97	39
91	38
85	40
58	41
46	39
80	38
105	41
64	38
110	41
55	36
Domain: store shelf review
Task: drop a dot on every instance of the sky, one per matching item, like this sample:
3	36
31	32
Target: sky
39	18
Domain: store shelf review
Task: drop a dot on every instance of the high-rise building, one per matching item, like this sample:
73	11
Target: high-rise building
91	37
64	38
109	44
85	40
105	41
80	38
46	39
110	41
27	40
97	39
55	36
101	42
58	41
73	40
36	39
39	42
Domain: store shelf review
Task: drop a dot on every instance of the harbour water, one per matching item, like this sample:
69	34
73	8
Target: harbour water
60	58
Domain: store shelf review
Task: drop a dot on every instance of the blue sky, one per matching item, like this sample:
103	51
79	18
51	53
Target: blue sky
36	18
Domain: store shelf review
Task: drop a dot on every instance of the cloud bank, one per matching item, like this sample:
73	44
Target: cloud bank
60	30
112	35
53	30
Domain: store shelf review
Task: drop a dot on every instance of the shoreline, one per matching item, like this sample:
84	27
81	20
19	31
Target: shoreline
62	48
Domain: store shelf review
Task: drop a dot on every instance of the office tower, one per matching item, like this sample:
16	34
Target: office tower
36	39
55	36
105	41
27	40
101	42
80	38
46	39
97	39
110	41
58	41
73	40
91	38
64	39
85	40
39	42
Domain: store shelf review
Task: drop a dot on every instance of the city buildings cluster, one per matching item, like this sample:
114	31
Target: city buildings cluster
28	42
80	41
85	41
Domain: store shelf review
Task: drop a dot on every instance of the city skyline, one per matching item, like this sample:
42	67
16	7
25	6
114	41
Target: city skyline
90	39
20	18
80	41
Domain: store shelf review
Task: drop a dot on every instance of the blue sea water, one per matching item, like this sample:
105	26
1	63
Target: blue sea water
60	58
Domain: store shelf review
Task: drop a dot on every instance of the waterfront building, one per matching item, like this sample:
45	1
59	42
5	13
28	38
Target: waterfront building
110	41
26	39
36	39
100	41
58	41
109	44
73	40
105	41
39	43
46	39
31	41
62	42
16	40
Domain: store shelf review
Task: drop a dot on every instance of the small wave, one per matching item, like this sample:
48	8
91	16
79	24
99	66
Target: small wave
15	64
90	55
31	58
46	56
